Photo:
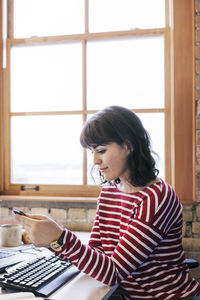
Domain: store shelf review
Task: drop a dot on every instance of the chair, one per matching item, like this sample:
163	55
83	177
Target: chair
192	263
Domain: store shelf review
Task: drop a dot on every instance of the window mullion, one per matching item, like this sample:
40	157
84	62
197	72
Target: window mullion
84	114
10	19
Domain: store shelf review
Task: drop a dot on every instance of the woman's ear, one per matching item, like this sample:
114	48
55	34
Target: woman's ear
129	147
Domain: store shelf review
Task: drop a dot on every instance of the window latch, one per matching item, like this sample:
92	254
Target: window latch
24	188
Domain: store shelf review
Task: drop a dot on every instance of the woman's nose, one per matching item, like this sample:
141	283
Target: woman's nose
96	159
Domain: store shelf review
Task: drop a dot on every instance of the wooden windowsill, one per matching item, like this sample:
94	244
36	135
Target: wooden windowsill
63	199
48	199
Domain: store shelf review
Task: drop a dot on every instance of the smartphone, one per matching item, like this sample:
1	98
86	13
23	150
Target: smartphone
19	212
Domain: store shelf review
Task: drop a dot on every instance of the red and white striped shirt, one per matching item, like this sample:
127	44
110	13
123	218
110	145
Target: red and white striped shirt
136	241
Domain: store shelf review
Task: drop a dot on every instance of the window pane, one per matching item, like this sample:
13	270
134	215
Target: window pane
46	78
125	14
128	71
154	124
48	17
46	150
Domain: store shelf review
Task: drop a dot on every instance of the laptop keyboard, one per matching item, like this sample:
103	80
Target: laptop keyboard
42	275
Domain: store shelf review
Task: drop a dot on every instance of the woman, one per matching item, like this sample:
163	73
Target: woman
136	237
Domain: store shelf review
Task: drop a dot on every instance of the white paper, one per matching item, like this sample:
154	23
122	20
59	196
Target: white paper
19	296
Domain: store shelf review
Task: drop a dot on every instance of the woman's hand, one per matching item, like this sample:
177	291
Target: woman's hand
40	229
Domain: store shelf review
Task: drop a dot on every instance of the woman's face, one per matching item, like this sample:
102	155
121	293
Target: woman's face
111	160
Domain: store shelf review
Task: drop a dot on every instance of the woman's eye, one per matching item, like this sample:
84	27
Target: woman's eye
101	151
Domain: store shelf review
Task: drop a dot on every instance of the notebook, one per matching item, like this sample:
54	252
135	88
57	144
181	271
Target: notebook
12	256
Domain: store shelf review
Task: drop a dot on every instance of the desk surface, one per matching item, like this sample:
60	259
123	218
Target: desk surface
81	287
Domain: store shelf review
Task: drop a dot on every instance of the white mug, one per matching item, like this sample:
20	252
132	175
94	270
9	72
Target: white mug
10	235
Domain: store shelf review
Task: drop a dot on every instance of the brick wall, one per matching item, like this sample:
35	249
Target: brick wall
76	216
191	213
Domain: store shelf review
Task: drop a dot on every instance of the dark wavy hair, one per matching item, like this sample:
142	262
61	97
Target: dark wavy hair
122	126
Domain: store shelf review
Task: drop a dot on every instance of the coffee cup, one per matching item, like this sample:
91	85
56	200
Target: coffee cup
10	235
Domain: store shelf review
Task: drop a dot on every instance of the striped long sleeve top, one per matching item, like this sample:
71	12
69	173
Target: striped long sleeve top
136	241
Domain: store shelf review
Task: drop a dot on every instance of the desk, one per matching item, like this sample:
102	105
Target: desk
81	287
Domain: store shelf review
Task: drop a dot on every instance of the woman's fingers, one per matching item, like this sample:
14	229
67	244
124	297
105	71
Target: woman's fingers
24	220
29	219
37	217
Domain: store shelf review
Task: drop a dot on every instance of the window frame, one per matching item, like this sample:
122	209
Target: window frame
182	163
183	91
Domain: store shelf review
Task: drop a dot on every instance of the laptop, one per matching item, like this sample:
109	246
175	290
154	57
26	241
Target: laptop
12	256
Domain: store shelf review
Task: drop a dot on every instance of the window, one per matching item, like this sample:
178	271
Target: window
62	69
